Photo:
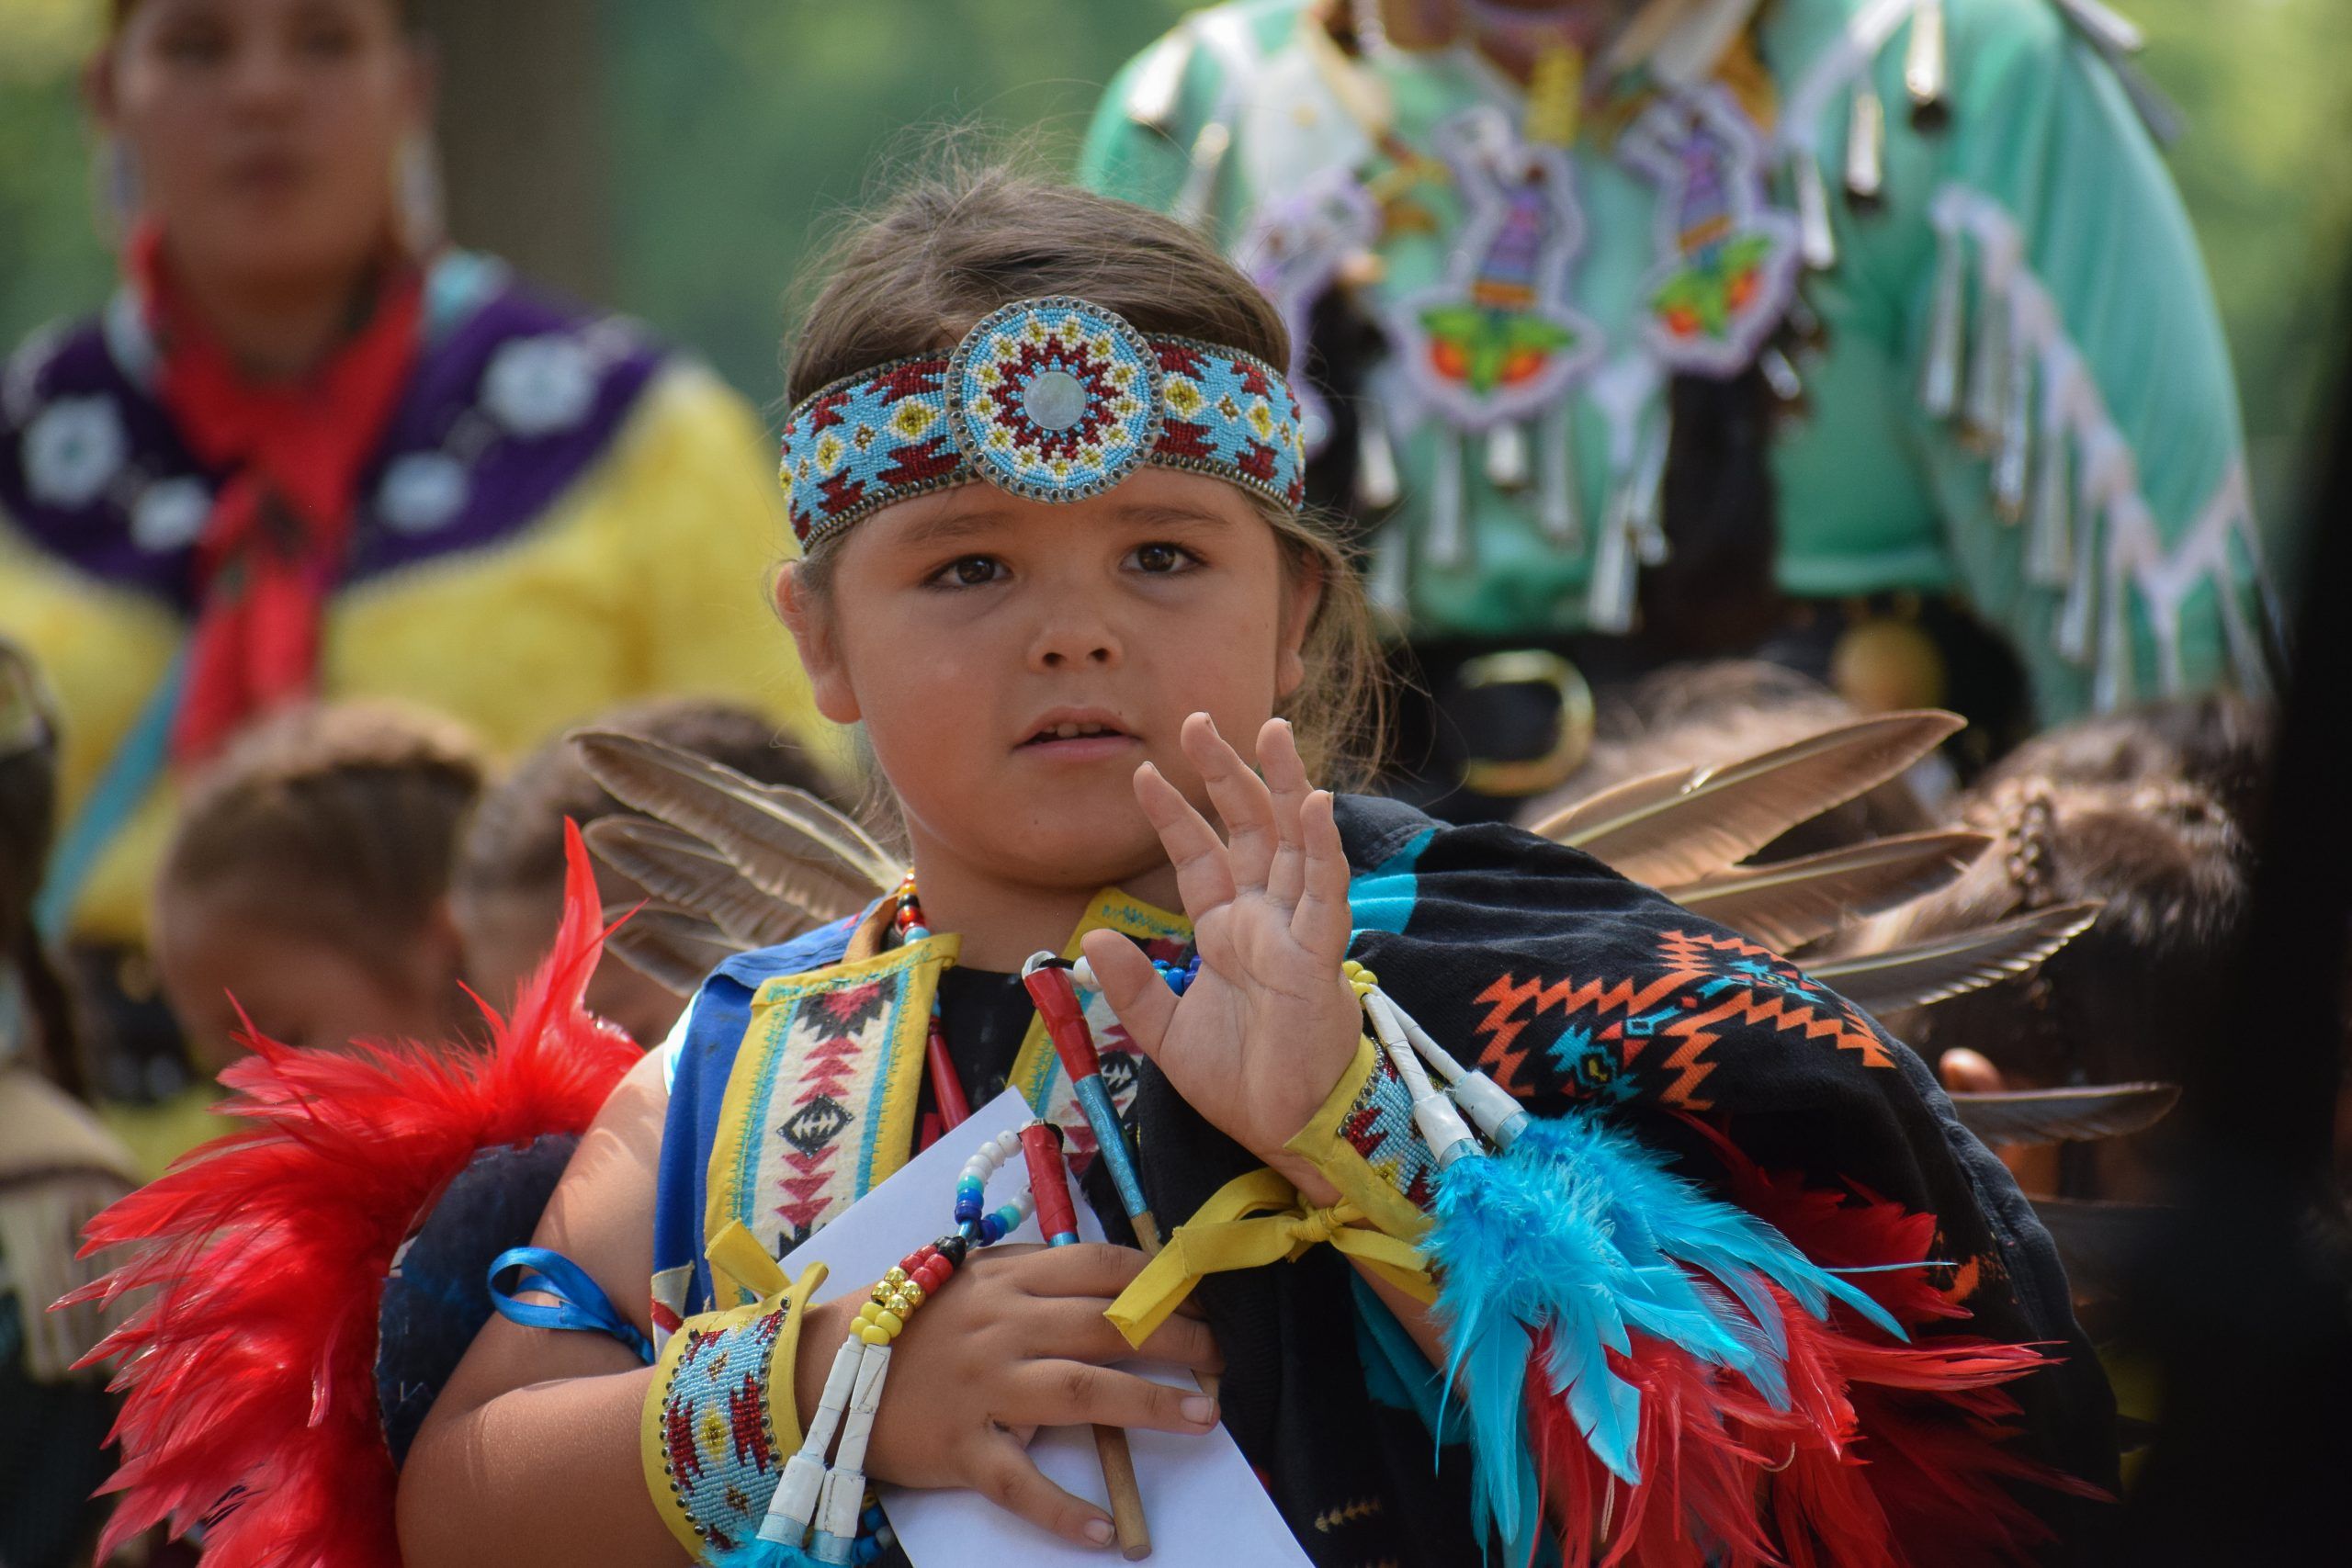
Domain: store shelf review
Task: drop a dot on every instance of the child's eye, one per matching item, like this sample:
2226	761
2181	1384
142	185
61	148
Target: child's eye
1159	559
198	41
328	41
968	572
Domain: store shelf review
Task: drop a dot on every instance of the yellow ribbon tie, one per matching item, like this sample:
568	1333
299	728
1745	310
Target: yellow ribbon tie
738	1260
1249	1221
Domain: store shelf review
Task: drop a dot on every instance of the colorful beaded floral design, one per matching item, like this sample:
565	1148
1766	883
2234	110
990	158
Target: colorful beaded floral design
1054	400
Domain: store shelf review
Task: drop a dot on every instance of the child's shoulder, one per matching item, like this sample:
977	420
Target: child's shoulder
811	949
720	1009
1384	835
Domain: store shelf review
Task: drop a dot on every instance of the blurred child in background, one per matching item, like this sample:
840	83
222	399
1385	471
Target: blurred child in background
2144	812
58	1168
308	883
507	891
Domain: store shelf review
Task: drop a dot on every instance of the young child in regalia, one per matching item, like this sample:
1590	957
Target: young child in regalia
1590	1231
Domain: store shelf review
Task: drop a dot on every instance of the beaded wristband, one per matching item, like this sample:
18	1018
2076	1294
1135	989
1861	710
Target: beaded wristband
815	1506
712	1448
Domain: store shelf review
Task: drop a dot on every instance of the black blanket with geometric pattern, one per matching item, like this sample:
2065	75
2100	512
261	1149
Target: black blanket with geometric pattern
1571	986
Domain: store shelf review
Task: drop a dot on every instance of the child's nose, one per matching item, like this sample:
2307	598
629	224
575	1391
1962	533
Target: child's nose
1071	637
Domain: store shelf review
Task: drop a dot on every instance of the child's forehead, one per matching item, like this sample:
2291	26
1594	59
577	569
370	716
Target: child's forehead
1151	498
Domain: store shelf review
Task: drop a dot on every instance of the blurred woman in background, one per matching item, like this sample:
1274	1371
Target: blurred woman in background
309	450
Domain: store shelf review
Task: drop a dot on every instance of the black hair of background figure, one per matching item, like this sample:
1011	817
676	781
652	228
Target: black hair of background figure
2245	1298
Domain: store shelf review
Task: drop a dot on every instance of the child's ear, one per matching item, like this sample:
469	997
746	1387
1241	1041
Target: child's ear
97	88
1303	592
812	634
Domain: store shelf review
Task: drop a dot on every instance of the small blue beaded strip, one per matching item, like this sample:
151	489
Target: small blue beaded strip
1053	400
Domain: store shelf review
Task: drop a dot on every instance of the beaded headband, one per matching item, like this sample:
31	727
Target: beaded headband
1052	400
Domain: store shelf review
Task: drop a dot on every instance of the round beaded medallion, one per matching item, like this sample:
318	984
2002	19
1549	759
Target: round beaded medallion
1054	399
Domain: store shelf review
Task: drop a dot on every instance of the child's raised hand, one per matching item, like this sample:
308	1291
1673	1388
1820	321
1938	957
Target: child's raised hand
1015	1341
1266	1027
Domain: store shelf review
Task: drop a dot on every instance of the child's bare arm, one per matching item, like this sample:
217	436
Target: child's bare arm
531	1452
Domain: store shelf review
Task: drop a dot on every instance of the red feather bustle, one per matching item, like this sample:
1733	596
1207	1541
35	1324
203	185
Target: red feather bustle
248	1375
1883	1453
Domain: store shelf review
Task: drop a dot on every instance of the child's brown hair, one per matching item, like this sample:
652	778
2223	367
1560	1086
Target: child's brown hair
346	816
965	237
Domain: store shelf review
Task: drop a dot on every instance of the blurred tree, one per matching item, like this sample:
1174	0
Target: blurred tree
522	150
741	127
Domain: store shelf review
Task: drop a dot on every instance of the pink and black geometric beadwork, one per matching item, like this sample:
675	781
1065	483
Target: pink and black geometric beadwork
1054	400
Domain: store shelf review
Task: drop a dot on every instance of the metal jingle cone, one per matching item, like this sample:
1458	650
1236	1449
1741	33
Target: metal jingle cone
1865	148
1508	466
1925	70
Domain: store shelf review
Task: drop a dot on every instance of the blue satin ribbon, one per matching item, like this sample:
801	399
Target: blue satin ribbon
579	1302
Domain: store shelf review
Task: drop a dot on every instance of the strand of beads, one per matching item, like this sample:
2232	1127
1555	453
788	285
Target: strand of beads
1178	976
820	1504
971	1194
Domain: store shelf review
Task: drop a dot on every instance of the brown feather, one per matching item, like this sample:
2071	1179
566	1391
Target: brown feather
1727	813
790	844
1937	968
1790	903
1572	824
670	947
2075	1115
679	869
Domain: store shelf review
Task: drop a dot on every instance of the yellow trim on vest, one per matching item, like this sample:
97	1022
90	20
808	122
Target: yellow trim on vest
743	1109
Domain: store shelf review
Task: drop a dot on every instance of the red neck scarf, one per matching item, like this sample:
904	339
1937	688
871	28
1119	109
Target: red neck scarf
292	452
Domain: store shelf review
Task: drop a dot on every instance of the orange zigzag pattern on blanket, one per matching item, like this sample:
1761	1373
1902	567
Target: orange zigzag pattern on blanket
1708	984
1778	994
1506	996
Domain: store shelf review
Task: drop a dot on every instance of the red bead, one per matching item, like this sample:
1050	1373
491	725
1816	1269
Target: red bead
913	1261
933	1273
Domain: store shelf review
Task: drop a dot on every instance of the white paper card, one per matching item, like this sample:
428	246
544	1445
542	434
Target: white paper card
1201	1499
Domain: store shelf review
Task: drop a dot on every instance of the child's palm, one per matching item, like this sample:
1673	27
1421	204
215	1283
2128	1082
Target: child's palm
1268	1024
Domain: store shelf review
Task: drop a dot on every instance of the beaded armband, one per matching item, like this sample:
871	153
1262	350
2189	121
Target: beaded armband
1364	1142
1053	400
1386	1129
719	1421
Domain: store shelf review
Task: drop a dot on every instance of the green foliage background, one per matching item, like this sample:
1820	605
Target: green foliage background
738	129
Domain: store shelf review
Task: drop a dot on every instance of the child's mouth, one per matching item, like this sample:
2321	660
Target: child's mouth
1078	737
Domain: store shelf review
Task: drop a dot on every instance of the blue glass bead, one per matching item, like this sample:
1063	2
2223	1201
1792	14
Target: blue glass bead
966	1208
992	1230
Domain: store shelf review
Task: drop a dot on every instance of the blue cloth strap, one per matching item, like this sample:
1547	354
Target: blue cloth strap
121	788
579	1302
